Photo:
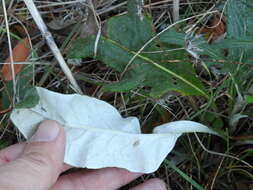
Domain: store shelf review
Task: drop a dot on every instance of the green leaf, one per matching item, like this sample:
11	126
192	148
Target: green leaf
107	52
244	42
132	30
212	119
249	114
239	25
125	36
172	37
195	44
30	99
161	77
239	15
23	85
239	21
125	85
248	99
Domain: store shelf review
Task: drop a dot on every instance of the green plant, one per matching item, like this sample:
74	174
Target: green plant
154	66
156	70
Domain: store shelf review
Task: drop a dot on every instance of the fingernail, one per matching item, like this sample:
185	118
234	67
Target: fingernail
47	131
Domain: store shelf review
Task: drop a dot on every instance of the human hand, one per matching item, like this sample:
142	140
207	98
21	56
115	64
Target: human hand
37	164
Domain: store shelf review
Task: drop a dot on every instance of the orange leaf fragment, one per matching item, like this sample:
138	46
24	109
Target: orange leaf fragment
20	54
215	30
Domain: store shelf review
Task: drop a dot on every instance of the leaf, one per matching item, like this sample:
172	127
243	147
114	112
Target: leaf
132	30
239	15
125	85
239	18
97	135
243	42
160	77
212	119
195	44
121	44
249	99
23	86
215	30
20	54
172	37
239	25
30	99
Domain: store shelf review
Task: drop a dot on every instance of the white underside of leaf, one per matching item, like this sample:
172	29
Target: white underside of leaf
97	135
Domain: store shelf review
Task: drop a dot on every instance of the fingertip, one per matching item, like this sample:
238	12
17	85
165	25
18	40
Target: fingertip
48	130
158	183
51	122
58	125
152	184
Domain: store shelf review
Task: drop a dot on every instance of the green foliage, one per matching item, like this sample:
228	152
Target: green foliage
233	56
159	72
30	99
183	175
25	91
239	18
130	30
125	36
249	99
125	85
238	42
240	30
237	47
212	119
240	37
172	37
194	44
243	42
128	33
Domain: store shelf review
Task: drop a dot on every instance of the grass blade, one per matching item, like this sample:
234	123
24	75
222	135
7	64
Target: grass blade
186	177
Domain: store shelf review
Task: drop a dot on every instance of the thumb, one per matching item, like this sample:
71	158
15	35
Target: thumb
41	162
